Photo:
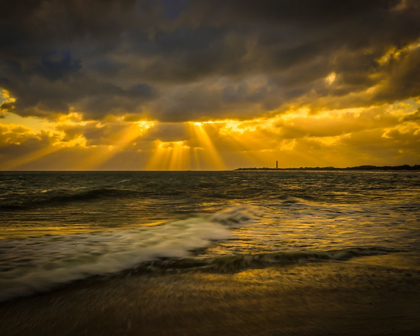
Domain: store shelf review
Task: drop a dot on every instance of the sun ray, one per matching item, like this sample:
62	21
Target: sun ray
179	156
171	155
124	138
31	157
206	143
196	159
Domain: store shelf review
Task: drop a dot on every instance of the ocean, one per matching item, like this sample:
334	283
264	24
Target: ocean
199	235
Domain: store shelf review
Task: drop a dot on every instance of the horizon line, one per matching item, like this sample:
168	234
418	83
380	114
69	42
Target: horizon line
360	167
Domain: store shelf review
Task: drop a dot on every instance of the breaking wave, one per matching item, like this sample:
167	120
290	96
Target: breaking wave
37	264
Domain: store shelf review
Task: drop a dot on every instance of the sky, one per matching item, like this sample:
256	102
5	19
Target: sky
209	84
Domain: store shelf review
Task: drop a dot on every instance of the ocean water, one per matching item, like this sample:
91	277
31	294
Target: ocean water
58	227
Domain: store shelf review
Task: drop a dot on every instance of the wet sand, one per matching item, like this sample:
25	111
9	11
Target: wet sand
330	298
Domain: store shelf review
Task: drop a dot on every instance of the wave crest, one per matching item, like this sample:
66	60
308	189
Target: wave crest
36	264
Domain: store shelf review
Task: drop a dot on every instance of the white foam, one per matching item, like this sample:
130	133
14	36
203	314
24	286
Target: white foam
37	264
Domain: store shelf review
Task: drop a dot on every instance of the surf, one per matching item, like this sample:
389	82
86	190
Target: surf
38	264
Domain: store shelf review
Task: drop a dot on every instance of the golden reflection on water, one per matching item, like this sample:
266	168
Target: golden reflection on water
402	260
25	232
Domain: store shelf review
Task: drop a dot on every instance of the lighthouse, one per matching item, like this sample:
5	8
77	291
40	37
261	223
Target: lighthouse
277	165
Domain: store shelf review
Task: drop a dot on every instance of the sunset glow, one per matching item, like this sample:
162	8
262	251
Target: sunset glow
146	104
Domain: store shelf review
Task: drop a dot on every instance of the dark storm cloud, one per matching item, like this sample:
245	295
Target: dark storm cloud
55	67
404	78
185	60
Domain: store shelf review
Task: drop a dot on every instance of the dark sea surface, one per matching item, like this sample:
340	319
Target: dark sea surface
57	227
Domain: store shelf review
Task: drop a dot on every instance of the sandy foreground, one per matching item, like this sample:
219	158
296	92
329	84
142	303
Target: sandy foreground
348	298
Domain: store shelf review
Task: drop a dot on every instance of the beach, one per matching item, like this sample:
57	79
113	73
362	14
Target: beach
201	253
312	299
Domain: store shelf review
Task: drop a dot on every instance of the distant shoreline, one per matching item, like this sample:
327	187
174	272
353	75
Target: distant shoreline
357	168
364	167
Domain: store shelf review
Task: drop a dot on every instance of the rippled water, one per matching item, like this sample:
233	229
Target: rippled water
59	227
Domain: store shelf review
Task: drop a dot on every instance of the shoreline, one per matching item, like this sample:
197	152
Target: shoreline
362	168
356	168
330	298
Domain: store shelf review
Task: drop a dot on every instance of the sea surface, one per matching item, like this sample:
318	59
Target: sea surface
59	227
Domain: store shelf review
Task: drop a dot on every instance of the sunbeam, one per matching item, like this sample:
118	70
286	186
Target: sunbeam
170	155
31	157
209	150
124	138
